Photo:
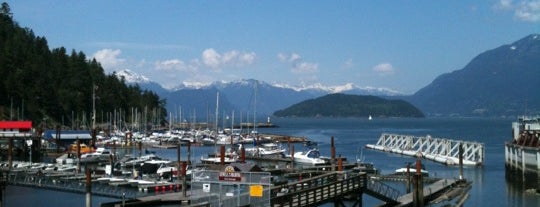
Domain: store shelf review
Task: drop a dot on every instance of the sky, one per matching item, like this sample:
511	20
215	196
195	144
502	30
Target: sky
397	45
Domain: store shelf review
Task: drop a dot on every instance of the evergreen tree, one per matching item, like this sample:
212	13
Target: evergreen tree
41	84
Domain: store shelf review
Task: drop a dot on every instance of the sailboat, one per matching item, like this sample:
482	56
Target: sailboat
370	118
230	156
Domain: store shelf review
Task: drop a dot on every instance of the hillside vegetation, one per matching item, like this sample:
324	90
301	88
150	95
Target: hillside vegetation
54	87
342	105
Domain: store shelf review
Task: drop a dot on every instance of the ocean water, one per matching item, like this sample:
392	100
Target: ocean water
489	187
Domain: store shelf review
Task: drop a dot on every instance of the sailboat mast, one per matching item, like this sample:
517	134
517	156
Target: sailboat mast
217	111
255	109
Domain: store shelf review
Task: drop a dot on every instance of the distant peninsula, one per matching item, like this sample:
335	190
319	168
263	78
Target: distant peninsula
343	105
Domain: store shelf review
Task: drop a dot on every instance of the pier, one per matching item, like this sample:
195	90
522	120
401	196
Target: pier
209	188
445	151
242	184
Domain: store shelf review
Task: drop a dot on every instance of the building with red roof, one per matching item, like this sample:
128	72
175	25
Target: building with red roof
15	129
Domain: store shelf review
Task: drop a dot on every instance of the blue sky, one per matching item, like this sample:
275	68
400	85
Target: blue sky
399	45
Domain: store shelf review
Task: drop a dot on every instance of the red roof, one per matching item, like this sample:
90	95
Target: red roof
20	125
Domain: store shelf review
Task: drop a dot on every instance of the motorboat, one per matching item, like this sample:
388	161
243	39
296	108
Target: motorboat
136	161
412	171
266	149
217	160
167	170
312	156
100	155
208	141
365	167
230	157
67	158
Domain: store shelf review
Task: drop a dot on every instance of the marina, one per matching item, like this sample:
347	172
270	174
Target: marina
152	195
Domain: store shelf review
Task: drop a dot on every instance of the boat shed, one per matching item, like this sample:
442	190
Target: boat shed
15	129
69	135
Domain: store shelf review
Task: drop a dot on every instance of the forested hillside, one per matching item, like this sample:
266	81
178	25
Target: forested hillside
342	105
57	86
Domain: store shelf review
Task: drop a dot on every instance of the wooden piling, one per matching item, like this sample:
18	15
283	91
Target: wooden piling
184	166
88	188
332	148
222	155
340	164
243	155
292	157
461	161
179	163
418	192
10	153
333	154
58	139
189	153
78	155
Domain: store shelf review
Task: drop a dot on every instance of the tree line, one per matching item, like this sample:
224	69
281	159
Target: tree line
54	86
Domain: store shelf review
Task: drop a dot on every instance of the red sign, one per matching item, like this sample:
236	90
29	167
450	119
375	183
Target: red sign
230	175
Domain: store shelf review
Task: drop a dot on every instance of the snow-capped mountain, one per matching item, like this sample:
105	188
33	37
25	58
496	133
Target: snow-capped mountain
347	88
246	95
131	77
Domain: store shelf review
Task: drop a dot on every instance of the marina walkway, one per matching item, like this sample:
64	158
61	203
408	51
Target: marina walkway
330	187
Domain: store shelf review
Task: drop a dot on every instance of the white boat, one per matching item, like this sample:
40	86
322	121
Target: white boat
229	157
143	159
266	149
100	155
110	180
137	182
208	141
412	171
66	158
217	160
312	156
224	139
166	169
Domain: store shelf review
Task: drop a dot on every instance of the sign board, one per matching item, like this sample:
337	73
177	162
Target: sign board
256	191
230	175
206	187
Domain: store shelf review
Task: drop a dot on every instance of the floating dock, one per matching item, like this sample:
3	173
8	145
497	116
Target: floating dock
445	151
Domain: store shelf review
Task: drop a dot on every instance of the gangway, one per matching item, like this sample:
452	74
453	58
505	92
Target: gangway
382	191
440	150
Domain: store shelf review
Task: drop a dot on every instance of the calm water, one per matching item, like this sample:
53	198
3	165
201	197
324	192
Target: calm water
351	135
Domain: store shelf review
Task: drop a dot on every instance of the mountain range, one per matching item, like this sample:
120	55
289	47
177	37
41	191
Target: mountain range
499	82
247	96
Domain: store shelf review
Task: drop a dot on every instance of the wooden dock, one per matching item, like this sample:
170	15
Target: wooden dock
326	187
436	191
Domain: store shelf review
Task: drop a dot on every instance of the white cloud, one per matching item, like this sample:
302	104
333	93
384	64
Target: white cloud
504	4
109	59
384	69
305	67
297	64
528	11
525	10
213	59
175	65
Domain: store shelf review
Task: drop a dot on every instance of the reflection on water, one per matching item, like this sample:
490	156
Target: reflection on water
522	188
